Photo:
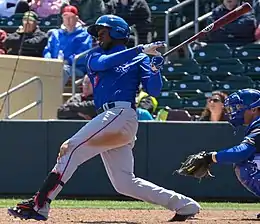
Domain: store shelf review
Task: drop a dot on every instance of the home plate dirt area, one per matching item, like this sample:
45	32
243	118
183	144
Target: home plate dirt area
124	216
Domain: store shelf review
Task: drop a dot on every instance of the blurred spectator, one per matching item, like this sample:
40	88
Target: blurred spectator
28	37
89	10
146	102
239	32
135	12
143	114
3	37
10	7
214	110
68	41
45	8
145	105
22	6
81	105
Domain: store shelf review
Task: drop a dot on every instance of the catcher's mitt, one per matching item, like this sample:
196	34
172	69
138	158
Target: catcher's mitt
196	165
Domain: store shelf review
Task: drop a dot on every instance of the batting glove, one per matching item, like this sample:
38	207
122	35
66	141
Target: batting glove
151	48
157	62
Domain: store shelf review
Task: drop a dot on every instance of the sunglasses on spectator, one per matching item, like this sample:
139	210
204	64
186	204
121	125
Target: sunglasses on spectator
214	100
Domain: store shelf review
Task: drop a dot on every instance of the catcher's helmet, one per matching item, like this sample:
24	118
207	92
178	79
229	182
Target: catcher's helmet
237	103
119	28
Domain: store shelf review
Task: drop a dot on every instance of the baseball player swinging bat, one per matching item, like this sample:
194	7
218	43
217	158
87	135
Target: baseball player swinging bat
224	20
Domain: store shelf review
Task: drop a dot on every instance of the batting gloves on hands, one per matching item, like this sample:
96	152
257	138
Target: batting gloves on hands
157	62
151	48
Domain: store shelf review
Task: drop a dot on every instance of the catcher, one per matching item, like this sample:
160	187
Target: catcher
242	108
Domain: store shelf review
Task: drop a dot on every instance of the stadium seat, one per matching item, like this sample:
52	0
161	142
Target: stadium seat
197	102
167	85
257	85
171	99
221	68
253	70
178	115
180	68
198	77
247	53
190	88
160	7
212	51
233	83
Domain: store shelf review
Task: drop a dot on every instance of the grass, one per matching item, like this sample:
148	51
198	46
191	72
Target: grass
4	203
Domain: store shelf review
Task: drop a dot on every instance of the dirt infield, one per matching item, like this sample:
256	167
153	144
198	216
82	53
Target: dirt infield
108	216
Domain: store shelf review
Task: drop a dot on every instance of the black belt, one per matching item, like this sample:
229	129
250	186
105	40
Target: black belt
110	106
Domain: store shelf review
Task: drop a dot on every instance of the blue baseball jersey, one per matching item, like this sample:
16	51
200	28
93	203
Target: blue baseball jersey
117	73
252	136
246	150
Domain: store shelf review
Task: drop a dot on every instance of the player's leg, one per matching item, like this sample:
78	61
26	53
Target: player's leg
119	164
249	176
102	133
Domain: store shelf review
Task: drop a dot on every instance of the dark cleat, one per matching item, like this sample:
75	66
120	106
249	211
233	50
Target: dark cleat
181	218
24	210
258	216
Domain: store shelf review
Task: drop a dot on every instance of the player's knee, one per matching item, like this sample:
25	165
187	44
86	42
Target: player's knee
124	185
64	149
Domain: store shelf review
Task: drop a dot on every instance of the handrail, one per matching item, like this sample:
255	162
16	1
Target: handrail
179	6
196	21
73	70
188	25
78	56
31	105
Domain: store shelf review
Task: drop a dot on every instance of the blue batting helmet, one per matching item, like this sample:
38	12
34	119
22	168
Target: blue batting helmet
119	28
237	103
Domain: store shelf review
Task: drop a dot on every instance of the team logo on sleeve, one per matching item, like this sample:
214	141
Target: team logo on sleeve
123	69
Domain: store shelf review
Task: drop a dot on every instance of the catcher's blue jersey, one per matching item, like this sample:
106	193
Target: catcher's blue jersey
248	172
116	74
252	135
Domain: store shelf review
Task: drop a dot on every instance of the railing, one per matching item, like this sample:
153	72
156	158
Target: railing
78	56
38	102
194	23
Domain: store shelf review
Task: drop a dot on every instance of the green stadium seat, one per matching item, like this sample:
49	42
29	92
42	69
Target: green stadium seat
189	88
180	68
160	7
195	103
172	2
233	83
222	68
167	85
198	77
171	99
253	70
257	85
212	51
247	53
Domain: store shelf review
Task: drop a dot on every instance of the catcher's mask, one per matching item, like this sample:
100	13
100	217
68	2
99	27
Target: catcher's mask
237	103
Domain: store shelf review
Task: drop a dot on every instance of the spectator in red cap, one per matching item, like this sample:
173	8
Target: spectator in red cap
68	41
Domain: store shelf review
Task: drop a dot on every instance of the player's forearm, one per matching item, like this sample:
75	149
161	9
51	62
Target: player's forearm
105	62
235	154
154	84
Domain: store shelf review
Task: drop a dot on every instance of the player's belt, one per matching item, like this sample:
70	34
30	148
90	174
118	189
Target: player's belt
111	105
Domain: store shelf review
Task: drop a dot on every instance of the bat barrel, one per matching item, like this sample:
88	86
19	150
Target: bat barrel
228	18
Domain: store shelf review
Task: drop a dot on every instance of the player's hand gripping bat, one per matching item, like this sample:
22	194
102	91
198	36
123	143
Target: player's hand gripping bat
222	21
